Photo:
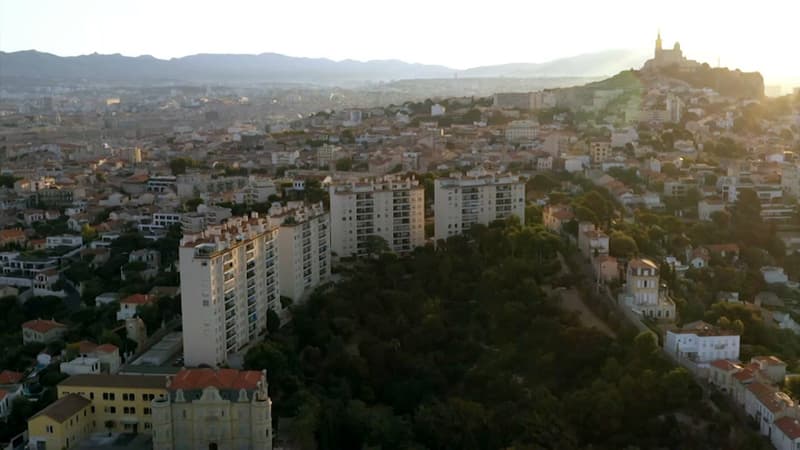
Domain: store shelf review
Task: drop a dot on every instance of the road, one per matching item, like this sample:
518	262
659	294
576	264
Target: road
571	301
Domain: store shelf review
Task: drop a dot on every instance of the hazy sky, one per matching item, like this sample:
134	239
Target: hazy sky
457	33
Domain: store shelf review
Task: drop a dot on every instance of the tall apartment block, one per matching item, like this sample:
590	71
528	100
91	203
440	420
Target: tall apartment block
304	245
391	207
229	280
476	198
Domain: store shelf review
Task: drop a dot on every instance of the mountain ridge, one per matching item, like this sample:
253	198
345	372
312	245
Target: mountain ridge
276	67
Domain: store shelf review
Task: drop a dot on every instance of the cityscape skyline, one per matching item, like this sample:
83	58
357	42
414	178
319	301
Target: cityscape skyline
443	225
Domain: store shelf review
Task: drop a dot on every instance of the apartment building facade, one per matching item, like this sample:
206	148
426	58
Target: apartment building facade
229	280
391	208
477	198
304	245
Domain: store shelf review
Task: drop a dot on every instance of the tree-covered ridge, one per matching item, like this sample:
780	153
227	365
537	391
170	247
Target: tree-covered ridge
459	347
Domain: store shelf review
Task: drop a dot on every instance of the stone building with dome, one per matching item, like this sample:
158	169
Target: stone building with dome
663	58
213	409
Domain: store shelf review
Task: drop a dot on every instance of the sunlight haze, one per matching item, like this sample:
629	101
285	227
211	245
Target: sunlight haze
457	34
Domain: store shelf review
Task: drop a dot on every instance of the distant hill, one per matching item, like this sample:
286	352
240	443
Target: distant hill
587	65
34	66
732	83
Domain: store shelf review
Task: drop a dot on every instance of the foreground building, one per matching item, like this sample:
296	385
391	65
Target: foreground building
391	208
476	198
229	280
214	409
195	409
93	403
61	425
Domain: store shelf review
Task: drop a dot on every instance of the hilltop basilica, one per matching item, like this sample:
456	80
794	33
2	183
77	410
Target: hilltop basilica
666	58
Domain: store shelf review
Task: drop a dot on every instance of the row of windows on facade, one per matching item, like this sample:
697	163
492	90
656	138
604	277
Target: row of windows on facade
125	410
127	397
128	426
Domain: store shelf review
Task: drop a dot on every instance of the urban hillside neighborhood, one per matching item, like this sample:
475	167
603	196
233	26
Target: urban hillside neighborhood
614	265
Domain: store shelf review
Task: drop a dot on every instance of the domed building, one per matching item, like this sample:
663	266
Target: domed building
669	57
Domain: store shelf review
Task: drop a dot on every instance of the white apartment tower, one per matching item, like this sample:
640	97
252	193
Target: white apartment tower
462	201
392	208
229	279
304	243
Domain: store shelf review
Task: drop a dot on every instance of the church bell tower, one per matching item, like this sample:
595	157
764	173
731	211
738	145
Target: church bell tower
658	45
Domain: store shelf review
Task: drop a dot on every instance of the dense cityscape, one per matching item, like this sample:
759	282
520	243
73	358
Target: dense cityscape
571	263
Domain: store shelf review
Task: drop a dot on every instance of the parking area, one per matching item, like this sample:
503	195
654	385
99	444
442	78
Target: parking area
116	441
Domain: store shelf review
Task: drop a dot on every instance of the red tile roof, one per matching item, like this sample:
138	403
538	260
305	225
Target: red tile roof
65	407
563	215
107	348
42	326
15	233
702	328
789	426
642	263
768	361
138	299
140	178
725	364
719	248
10	377
189	379
769	397
86	346
744	375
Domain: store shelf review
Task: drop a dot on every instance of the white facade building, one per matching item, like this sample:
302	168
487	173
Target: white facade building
708	206
80	365
258	190
437	110
392	208
592	241
786	433
285	158
522	131
328	154
304	245
166	219
229	279
702	343
774	275
477	198
63	241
